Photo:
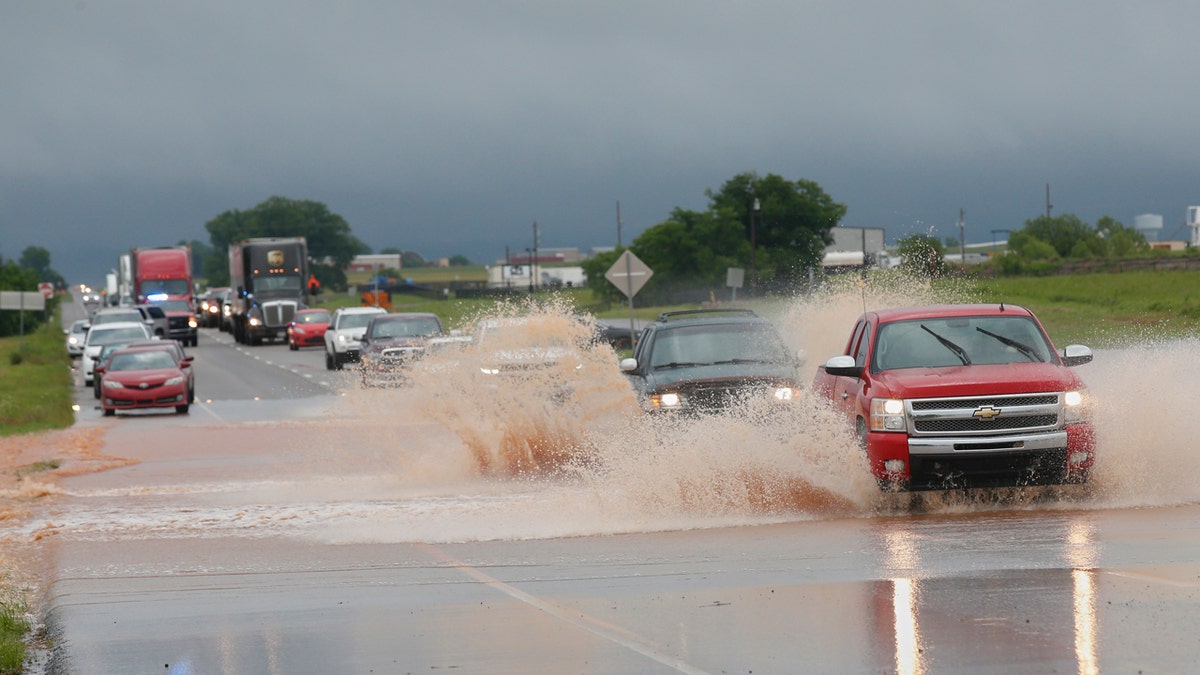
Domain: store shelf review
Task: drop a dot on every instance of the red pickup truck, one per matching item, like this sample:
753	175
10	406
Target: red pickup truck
959	396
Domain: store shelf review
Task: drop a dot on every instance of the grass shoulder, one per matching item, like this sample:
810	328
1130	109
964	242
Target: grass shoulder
35	382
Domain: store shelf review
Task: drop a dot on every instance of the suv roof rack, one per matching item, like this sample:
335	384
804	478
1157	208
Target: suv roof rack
688	313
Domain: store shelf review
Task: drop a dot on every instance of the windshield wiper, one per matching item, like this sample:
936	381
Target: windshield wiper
1019	346
739	361
958	351
680	364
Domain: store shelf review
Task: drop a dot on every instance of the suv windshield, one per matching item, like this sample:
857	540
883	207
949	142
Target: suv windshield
714	343
958	341
355	320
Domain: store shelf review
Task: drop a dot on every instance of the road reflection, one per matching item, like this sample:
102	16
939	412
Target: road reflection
938	618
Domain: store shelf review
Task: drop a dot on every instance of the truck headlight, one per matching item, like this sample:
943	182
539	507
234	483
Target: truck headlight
254	321
1075	408
785	394
887	414
192	323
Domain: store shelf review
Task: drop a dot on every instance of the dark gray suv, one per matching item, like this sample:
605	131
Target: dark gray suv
706	361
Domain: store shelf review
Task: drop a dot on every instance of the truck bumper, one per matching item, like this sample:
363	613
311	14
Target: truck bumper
1053	458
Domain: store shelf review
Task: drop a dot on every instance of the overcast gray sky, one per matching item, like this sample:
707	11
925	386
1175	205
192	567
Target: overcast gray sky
450	127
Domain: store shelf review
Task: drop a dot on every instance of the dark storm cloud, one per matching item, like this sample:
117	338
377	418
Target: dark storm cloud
449	127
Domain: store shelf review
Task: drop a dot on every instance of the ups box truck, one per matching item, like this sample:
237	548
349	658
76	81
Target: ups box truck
268	276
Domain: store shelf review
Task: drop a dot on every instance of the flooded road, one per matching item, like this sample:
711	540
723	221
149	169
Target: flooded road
433	528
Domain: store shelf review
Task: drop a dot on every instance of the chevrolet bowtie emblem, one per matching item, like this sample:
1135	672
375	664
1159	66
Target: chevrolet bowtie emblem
986	413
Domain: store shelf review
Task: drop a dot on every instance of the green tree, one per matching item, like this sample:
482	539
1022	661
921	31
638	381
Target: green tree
691	249
201	253
1062	232
922	255
459	260
37	259
1120	241
411	259
790	229
328	234
595	268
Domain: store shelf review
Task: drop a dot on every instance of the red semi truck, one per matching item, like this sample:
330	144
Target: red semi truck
163	276
960	396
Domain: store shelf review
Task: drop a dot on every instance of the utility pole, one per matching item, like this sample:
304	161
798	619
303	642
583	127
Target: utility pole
962	235
533	263
618	224
1048	204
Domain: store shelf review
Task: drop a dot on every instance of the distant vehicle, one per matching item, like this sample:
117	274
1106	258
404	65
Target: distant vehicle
119	314
269	278
308	328
157	318
208	312
163	276
344	334
75	336
960	396
392	342
109	333
707	361
616	332
181	321
138	378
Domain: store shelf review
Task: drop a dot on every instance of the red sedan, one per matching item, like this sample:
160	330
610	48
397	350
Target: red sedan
308	329
144	378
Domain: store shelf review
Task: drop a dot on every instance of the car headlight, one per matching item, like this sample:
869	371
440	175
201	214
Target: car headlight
174	381
785	394
112	384
668	401
1075	407
887	414
490	371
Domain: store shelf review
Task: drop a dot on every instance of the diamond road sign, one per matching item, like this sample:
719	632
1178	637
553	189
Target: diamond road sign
628	274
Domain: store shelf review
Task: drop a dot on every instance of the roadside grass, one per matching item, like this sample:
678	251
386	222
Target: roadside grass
35	382
1105	310
13	628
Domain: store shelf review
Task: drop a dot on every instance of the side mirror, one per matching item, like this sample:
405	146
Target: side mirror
628	365
843	366
1076	355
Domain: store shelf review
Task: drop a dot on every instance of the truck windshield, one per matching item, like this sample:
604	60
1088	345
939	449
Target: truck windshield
277	283
981	340
154	287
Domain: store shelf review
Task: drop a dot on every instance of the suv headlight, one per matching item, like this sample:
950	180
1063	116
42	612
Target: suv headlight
668	401
887	414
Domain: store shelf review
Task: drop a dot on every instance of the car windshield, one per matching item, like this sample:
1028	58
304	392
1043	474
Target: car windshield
713	343
141	360
959	341
357	320
313	317
113	317
119	334
423	326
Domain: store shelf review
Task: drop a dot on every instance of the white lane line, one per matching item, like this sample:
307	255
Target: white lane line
1141	576
608	631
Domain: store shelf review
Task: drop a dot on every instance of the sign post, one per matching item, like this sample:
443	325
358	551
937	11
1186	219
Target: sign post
734	276
629	274
23	301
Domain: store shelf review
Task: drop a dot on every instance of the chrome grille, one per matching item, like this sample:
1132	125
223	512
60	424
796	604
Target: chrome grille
982	415
276	314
